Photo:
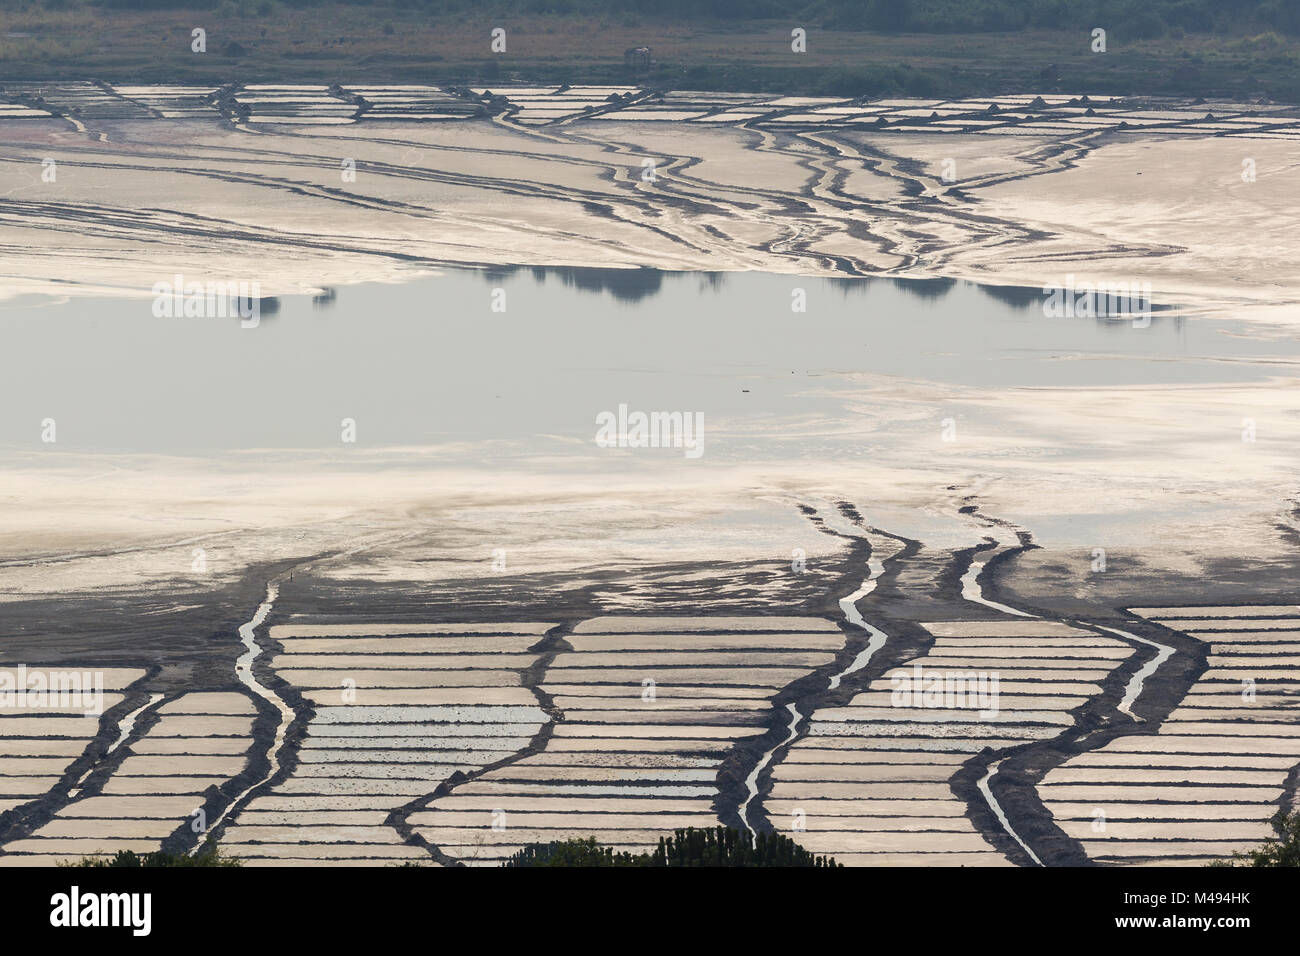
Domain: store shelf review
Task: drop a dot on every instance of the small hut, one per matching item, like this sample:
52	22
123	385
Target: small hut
637	58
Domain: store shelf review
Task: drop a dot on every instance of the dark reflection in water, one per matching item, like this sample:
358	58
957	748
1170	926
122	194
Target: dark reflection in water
634	285
712	281
328	296
625	285
263	307
1114	312
928	289
637	285
1018	296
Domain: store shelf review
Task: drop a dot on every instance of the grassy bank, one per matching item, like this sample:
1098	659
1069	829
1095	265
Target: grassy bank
350	42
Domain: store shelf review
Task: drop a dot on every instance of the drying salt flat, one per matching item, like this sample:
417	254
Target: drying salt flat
44	745
302	185
444	744
363	589
188	744
898	757
649	718
393	717
1208	781
449	743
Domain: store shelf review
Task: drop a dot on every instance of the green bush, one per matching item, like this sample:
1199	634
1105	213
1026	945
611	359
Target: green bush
207	856
716	847
1283	850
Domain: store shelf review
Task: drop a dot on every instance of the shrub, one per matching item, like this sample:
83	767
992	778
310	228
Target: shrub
715	847
1283	850
207	856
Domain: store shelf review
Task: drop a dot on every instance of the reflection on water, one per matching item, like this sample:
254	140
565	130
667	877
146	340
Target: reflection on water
624	285
636	285
930	289
431	362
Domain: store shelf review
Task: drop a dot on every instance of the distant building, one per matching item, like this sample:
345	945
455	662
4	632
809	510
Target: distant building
637	58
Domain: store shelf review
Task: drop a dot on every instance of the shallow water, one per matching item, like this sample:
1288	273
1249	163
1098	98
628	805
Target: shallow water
429	363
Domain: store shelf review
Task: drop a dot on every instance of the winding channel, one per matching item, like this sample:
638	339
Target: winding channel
998	811
124	728
244	671
751	782
849	605
1138	680
876	640
972	590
